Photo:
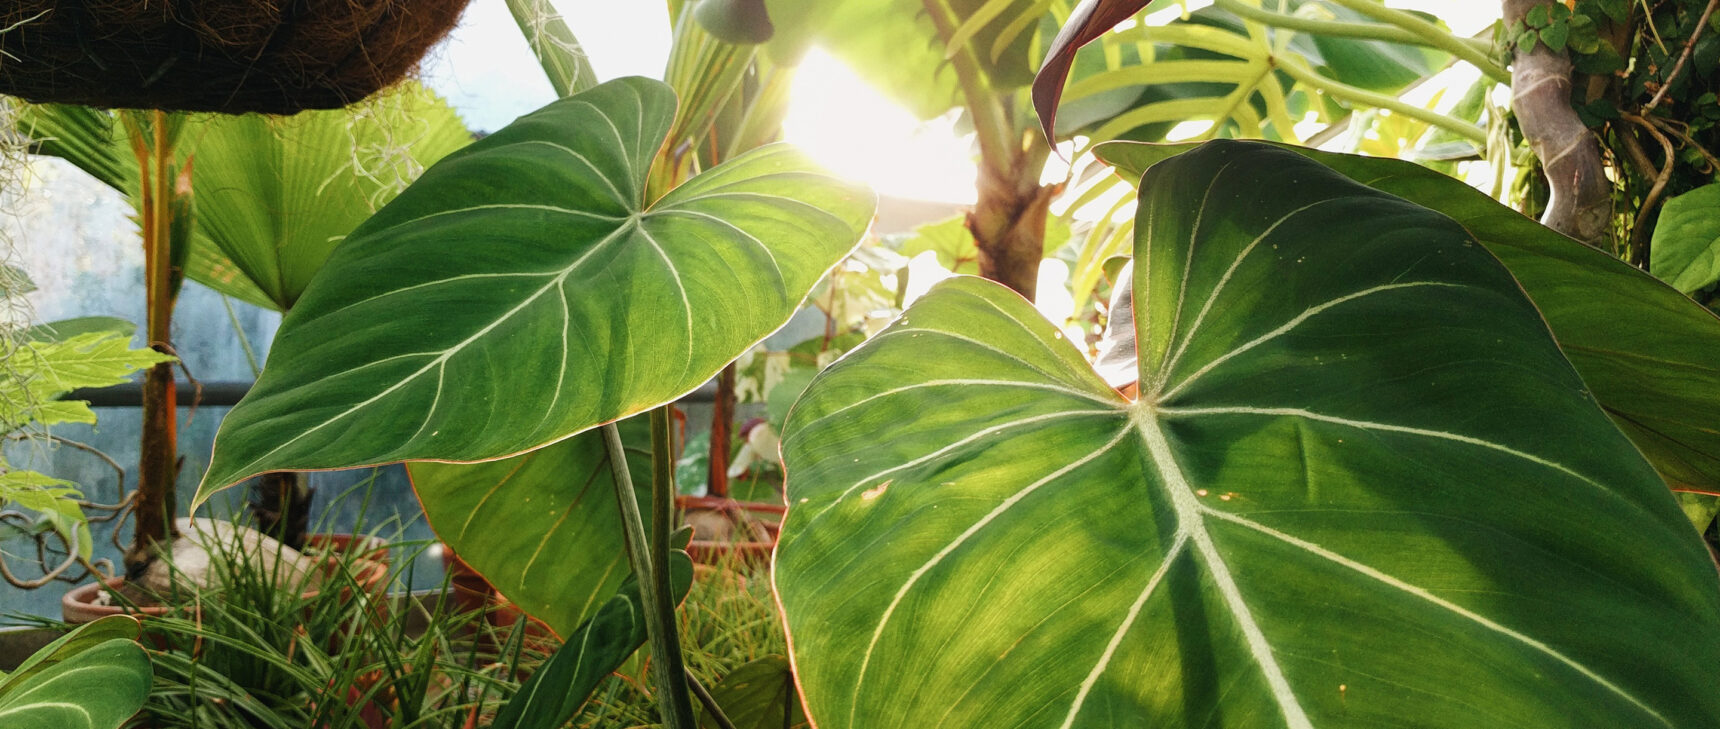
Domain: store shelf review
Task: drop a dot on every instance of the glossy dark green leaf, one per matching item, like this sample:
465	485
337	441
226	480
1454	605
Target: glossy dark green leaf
557	690
96	677
543	527
1650	355
1362	487
524	289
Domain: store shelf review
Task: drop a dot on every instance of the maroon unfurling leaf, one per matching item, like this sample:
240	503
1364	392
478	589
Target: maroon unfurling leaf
1091	19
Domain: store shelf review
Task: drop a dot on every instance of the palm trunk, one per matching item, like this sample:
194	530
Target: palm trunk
1008	221
158	467
281	504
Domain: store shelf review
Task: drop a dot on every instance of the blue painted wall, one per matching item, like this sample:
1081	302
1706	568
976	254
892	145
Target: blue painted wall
77	241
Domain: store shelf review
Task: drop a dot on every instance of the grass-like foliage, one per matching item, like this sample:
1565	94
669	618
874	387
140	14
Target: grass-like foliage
729	619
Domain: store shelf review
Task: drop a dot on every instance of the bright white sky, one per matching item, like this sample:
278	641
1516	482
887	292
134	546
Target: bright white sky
489	74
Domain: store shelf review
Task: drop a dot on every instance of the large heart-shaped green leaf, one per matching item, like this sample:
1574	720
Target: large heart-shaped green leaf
1650	355
524	289
1362	487
96	677
543	527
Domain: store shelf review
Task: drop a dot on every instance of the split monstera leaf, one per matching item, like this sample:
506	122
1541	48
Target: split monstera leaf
1361	485
525	289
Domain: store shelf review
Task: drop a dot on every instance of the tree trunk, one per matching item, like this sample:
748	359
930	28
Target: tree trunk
722	422
281	503
158	470
158	464
1581	202
1008	221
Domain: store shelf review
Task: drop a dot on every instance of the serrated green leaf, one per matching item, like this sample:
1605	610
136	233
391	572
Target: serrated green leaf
1685	248
524	289
56	500
1537	17
949	240
1346	495
47	369
68	328
92	359
52	412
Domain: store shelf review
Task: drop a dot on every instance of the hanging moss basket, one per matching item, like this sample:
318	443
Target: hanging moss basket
232	56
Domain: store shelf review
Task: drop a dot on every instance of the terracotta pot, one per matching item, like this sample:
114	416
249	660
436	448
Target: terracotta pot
471	593
468	589
374	549
754	551
78	606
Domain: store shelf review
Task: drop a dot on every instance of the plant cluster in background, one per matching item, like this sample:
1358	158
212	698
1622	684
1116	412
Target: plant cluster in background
1646	78
1372	422
42	365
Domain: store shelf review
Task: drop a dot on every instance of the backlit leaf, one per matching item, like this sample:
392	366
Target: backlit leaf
1362	486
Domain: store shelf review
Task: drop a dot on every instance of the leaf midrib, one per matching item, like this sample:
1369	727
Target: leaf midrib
442	359
1191	528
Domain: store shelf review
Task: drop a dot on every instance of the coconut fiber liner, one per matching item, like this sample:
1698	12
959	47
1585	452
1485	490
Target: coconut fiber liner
234	56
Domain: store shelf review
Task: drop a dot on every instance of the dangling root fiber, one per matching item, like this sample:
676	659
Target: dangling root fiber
233	56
